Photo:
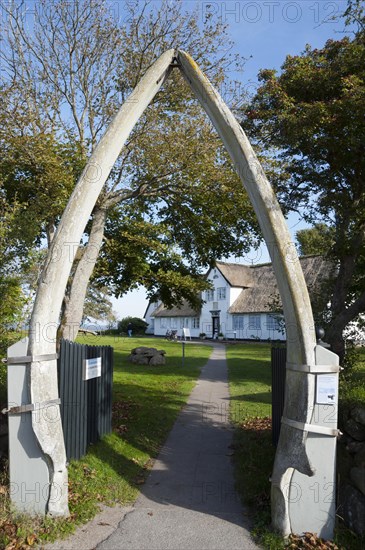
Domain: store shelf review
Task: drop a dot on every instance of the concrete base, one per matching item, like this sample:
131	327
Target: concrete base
29	477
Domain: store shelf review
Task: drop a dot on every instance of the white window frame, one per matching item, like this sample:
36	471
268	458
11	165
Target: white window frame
221	293
238	322
254	322
272	322
195	322
209	295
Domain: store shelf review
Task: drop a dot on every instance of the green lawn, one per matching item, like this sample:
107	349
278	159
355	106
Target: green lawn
352	383
250	380
249	367
250	386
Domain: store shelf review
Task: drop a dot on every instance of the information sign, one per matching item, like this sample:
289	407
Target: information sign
92	368
327	388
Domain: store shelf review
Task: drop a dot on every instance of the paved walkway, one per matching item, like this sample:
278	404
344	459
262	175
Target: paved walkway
188	501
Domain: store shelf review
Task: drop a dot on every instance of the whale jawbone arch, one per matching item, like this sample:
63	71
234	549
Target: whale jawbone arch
290	279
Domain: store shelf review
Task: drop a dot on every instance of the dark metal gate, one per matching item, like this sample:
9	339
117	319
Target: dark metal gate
278	372
86	405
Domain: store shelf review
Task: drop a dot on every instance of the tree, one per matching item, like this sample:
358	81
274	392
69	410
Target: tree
12	297
310	119
39	174
66	78
139	325
355	14
97	305
318	239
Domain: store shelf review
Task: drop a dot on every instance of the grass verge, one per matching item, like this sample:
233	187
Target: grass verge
250	387
146	402
249	367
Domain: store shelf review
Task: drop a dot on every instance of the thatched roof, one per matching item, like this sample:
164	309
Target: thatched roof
259	288
260	297
236	274
185	310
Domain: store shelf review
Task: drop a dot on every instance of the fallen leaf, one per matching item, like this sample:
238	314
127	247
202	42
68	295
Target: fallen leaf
31	539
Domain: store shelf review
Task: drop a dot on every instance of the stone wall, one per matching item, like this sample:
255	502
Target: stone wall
352	487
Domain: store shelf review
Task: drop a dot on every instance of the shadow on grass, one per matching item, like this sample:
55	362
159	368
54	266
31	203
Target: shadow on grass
262	397
253	459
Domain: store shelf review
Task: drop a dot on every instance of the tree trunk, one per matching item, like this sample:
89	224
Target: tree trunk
341	312
334	337
334	333
74	302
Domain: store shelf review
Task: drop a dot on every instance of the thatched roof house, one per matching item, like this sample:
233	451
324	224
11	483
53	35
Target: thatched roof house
241	301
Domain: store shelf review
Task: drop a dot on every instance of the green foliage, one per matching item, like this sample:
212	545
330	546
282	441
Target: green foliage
309	119
12	299
319	239
11	308
97	304
355	14
38	173
192	214
138	325
311	112
352	379
138	252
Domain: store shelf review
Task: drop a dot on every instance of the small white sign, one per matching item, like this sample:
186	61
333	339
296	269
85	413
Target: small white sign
92	368
327	388
186	333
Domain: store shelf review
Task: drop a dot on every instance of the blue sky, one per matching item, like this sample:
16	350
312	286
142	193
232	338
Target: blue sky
264	31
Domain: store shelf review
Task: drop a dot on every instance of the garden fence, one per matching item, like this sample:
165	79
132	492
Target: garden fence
278	372
86	405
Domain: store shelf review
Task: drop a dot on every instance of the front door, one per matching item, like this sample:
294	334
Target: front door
215	323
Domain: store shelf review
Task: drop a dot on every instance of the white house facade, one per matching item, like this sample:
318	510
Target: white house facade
239	305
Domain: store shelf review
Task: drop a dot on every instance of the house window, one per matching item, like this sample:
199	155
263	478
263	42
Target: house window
272	322
173	322
209	295
195	322
254	322
165	322
221	293
238	322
